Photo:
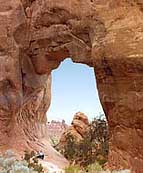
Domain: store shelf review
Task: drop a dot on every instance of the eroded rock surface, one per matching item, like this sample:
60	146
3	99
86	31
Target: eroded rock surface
36	35
77	129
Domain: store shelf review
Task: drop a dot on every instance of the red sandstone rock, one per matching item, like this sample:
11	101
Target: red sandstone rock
106	35
55	131
77	129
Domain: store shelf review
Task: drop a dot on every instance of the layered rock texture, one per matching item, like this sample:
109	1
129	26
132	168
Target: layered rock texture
55	131
36	35
77	129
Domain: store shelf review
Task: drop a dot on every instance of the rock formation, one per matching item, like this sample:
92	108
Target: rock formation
77	129
36	35
55	131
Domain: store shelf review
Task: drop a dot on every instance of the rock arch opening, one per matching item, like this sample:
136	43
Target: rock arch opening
76	110
73	89
36	37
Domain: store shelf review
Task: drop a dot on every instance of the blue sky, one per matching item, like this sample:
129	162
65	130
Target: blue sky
73	89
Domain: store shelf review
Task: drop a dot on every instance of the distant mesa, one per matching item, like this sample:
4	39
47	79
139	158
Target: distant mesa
55	130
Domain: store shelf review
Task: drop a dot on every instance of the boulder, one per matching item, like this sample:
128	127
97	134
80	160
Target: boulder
77	129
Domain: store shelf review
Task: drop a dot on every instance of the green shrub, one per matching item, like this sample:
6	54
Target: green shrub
93	147
72	169
54	141
94	168
70	149
9	163
33	161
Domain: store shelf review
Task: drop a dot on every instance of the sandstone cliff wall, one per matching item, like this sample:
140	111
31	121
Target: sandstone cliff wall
36	35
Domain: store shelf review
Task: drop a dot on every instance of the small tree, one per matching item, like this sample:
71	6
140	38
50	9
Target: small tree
99	137
32	161
70	148
93	147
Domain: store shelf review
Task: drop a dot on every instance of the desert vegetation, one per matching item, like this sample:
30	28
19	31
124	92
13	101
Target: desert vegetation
29	164
91	152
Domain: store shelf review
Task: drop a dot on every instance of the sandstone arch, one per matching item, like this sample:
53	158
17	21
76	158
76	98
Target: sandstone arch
35	36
